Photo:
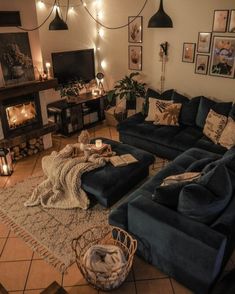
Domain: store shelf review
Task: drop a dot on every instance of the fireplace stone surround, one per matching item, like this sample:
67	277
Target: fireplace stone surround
29	96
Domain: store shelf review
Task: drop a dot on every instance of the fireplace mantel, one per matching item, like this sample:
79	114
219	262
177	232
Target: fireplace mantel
27	88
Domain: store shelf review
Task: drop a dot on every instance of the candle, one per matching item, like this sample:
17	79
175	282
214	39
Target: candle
5	169
48	65
98	143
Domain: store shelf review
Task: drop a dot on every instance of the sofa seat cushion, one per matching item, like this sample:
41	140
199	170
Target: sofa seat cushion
180	138
206	144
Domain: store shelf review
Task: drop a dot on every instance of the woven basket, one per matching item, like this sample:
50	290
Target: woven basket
105	235
114	116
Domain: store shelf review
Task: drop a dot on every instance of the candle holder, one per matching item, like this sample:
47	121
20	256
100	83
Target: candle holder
6	166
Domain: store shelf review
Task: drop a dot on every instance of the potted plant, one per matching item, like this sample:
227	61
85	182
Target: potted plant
129	88
72	90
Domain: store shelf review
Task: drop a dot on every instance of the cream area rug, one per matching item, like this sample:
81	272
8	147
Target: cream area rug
49	232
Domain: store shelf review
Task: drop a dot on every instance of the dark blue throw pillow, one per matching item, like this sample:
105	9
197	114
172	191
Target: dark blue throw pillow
168	195
189	112
204	107
205	200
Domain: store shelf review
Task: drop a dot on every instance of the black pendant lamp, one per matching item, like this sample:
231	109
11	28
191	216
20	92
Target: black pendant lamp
58	24
160	19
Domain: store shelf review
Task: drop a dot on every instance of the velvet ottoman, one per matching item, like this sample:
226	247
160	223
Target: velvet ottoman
108	184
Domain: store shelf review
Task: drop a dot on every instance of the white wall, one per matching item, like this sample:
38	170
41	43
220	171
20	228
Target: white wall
189	17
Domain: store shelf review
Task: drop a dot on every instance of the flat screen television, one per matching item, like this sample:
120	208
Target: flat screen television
74	65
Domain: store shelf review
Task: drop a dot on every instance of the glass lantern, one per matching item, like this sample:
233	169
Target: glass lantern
6	166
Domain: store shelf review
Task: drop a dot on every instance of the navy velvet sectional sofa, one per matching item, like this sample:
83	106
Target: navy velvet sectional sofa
192	252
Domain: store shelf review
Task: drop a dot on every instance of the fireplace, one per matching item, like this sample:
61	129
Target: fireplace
21	114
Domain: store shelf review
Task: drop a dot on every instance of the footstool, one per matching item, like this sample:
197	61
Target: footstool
109	184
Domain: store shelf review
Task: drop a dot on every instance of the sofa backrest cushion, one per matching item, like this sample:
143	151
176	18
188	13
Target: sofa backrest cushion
206	104
189	111
205	200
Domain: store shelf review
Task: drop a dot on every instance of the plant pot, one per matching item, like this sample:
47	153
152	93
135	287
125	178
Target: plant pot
131	104
17	71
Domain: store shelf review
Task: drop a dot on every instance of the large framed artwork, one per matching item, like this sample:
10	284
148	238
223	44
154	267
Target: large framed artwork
15	58
223	57
201	64
188	52
135	29
204	42
231	27
220	21
135	57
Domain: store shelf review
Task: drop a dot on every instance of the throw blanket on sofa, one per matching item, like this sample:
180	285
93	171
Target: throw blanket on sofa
104	262
62	187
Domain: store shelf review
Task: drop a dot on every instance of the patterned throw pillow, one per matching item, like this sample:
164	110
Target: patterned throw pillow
167	114
153	102
227	138
214	126
184	177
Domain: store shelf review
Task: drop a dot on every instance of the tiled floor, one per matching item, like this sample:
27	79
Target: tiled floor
22	271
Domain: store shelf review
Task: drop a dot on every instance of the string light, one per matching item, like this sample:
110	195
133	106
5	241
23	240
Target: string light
101	33
41	4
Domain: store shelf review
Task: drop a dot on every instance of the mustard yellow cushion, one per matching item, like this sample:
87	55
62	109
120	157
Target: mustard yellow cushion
167	114
214	126
227	138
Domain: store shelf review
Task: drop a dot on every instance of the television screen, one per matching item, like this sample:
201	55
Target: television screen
74	65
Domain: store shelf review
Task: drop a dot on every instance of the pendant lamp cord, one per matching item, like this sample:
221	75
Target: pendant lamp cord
113	28
38	27
90	14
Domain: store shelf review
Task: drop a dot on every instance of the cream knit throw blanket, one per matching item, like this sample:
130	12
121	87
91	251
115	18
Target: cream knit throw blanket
62	187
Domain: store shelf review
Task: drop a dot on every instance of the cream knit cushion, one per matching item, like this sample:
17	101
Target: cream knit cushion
214	126
227	138
156	105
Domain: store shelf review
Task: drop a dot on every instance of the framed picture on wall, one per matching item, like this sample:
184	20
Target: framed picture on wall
204	42
223	57
231	27
188	52
135	57
15	58
135	29
220	21
201	64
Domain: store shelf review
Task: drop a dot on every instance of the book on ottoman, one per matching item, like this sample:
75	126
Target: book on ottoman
122	160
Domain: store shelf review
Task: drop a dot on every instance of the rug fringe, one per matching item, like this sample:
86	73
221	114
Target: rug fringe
37	247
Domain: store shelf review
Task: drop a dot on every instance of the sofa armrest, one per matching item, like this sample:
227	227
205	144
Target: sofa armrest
185	249
134	119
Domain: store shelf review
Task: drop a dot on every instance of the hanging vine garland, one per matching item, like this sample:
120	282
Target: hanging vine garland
117	27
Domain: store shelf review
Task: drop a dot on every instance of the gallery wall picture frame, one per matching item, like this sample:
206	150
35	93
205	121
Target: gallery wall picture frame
201	64
135	57
188	52
222	63
220	21
231	26
204	42
135	29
